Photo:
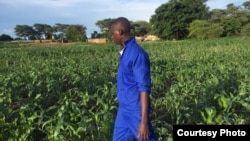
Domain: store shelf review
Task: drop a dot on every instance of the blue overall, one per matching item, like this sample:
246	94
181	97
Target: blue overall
133	77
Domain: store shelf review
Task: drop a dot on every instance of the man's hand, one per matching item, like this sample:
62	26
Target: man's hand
143	131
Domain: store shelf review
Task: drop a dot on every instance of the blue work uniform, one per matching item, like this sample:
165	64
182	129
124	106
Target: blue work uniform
133	77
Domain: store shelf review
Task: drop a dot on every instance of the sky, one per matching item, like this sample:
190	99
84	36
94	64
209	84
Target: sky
83	12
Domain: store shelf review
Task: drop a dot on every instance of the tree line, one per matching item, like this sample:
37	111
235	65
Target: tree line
176	19
45	31
181	19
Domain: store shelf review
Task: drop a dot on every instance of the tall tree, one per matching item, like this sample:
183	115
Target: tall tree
95	34
104	26
43	30
48	31
76	33
24	31
203	29
246	11
61	29
172	19
242	13
39	30
246	5
141	28
216	15
245	31
231	25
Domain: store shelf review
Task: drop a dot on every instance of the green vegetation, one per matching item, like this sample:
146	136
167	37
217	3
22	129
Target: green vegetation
180	19
68	92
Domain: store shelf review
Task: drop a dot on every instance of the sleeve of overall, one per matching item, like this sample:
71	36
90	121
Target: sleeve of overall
141	69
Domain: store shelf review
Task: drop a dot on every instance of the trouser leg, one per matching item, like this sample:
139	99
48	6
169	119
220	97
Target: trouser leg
121	129
127	124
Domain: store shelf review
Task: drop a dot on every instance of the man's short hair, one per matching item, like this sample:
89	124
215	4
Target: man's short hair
124	22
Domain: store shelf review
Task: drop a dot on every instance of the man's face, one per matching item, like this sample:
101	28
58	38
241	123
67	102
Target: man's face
115	34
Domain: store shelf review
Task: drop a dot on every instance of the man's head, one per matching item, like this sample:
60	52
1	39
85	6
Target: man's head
120	30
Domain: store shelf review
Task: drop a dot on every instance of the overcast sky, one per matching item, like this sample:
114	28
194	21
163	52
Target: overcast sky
83	12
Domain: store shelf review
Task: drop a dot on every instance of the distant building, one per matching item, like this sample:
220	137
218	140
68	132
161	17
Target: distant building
97	40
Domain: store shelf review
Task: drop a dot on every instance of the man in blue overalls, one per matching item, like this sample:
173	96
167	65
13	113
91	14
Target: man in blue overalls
133	87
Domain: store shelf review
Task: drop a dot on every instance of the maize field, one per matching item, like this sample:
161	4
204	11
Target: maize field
68	93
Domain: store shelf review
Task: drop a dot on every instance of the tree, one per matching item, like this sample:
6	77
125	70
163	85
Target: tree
76	33
231	9
104	26
61	29
171	20
216	15
5	37
245	18
246	5
233	18
39	31
95	34
141	28
43	31
231	25
240	14
48	31
202	29
24	31
245	31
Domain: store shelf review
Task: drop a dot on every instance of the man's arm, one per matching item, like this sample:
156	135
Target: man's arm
143	131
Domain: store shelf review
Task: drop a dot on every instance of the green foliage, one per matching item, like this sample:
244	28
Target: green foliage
69	92
73	33
61	30
246	5
201	29
42	31
95	34
24	31
5	37
172	19
216	15
140	28
232	26
104	26
76	33
245	31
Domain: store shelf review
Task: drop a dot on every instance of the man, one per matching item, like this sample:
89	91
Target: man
133	87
